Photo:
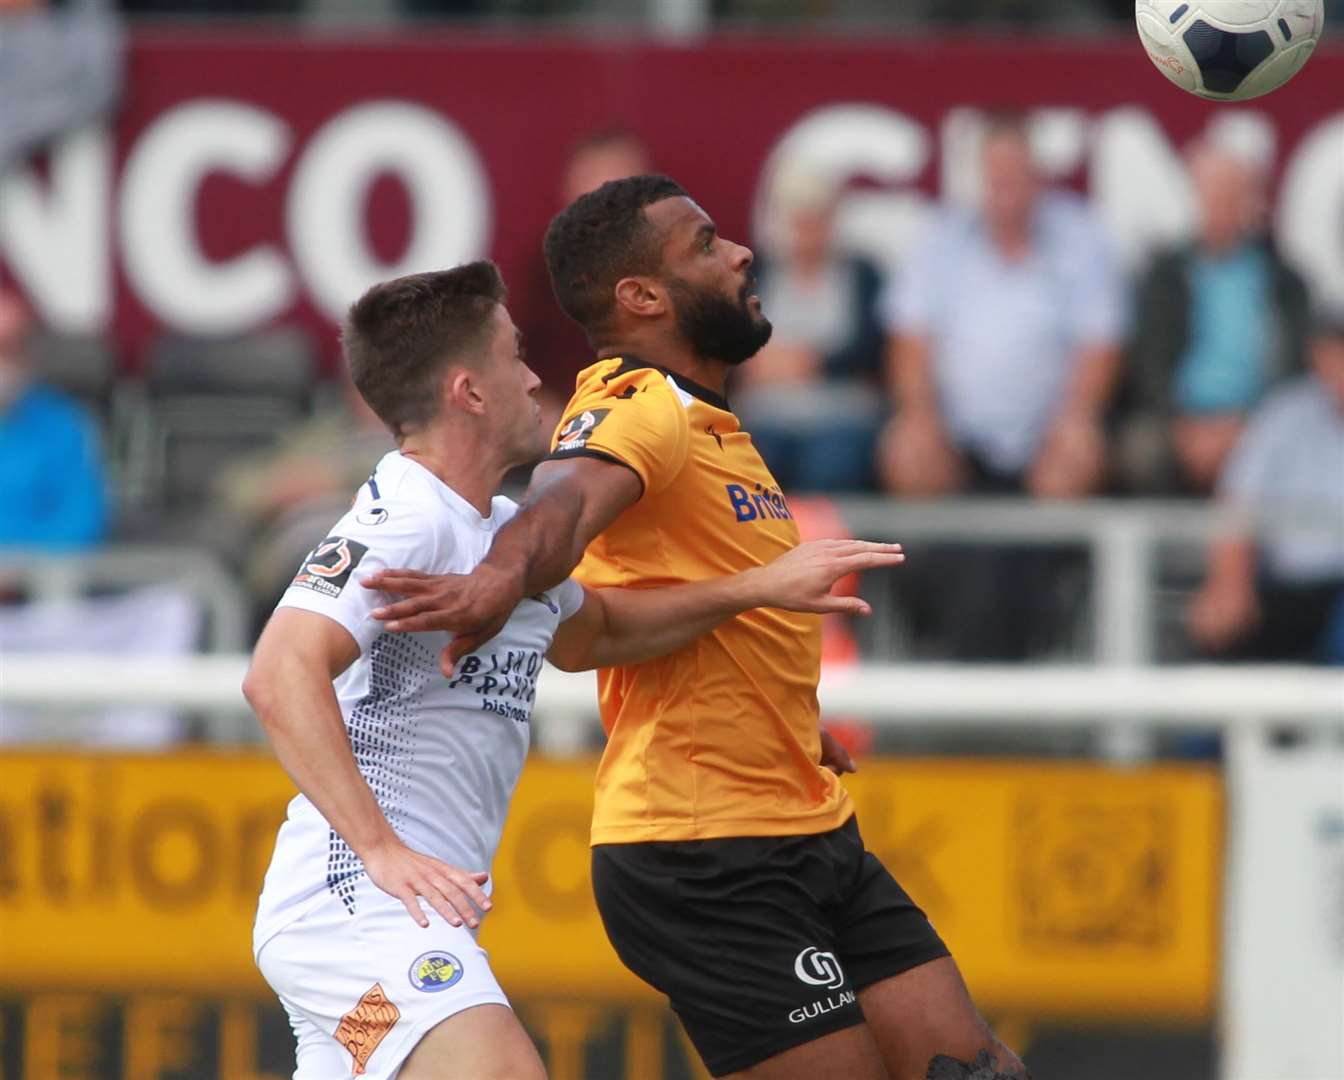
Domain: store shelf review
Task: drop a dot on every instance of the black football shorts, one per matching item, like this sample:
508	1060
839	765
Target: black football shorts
761	943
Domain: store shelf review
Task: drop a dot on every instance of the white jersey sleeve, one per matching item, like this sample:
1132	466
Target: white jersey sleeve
364	541
568	598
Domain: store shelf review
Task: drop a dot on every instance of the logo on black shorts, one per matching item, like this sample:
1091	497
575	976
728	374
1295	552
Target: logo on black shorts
817	968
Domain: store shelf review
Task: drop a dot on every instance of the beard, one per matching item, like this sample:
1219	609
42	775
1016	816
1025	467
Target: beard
716	327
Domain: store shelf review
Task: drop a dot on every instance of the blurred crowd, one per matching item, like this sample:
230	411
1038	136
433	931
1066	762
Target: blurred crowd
1010	356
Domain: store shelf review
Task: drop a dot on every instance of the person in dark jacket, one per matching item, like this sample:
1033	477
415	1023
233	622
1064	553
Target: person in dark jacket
1219	322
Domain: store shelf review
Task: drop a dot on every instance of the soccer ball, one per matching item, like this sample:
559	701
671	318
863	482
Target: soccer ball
1229	50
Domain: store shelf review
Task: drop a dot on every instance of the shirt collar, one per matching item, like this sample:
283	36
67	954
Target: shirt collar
704	393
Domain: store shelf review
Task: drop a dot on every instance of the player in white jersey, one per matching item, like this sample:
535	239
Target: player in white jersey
367	919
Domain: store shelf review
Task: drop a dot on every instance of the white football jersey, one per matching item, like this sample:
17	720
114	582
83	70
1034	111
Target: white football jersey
441	755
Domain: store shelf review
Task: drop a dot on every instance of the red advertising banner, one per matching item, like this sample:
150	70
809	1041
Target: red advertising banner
254	177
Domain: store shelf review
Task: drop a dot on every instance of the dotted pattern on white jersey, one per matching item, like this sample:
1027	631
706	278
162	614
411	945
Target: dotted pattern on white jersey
382	730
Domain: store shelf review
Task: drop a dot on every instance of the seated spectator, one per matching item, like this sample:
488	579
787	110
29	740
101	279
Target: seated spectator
1005	331
1003	359
1282	597
60	67
812	398
51	469
1219	321
268	502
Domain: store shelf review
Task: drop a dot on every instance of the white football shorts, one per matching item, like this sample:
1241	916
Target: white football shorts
362	990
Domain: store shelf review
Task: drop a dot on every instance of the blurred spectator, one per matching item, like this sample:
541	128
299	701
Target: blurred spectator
1003	360
812	398
59	67
557	349
51	470
1004	356
1283	597
271	502
1219	321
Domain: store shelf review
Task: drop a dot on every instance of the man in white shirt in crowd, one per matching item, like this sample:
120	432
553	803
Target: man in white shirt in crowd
380	876
1004	354
1280	596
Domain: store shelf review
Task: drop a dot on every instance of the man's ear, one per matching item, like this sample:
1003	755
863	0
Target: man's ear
643	297
462	392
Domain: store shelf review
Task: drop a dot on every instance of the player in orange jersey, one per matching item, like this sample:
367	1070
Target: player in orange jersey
727	862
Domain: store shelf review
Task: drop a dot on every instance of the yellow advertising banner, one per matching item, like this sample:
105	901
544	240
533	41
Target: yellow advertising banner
1064	890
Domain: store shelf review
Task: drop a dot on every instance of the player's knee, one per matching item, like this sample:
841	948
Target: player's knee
1002	1064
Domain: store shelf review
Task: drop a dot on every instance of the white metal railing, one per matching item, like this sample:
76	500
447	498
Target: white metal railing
1123	538
900	696
56	578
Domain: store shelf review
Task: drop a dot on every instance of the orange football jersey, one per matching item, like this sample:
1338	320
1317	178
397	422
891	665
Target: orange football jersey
720	738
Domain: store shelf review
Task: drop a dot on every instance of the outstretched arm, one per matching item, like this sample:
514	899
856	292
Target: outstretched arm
628	626
567	504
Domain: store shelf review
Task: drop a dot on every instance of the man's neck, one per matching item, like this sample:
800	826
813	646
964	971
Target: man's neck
460	461
676	357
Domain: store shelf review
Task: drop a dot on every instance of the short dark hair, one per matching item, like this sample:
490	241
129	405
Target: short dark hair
400	336
600	238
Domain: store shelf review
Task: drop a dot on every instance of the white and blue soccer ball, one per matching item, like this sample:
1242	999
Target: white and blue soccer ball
1229	50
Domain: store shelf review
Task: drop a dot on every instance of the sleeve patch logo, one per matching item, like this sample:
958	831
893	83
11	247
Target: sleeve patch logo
574	435
328	566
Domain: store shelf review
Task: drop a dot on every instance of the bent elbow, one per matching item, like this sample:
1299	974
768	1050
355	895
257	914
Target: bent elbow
258	690
558	658
581	654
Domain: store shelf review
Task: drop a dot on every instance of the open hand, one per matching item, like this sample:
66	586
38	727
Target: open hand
408	875
472	607
801	580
